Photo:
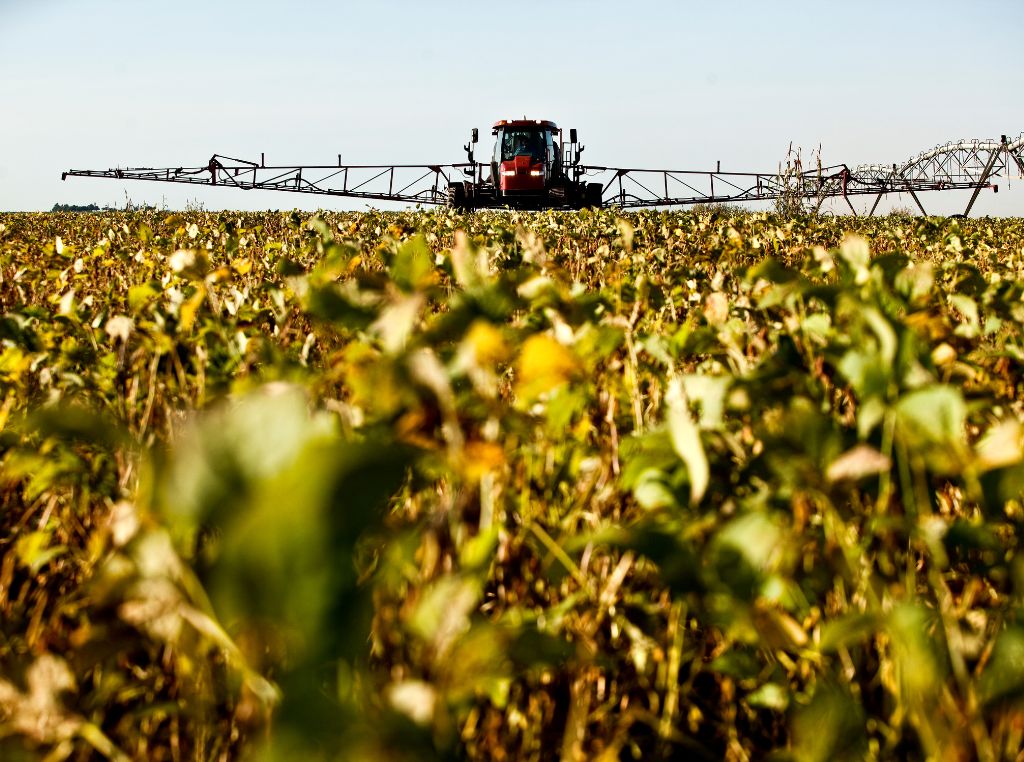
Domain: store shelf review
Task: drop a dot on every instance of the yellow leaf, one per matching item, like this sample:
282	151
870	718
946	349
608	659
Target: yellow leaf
480	457
372	379
13	362
189	308
778	629
487	343
543	365
219	275
242	266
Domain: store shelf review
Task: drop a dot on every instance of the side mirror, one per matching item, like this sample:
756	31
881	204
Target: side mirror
476	135
572	135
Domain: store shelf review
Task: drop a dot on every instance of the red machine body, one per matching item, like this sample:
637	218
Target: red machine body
521	175
532	167
527	155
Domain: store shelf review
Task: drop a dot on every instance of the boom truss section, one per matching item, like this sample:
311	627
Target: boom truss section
409	183
637	188
961	165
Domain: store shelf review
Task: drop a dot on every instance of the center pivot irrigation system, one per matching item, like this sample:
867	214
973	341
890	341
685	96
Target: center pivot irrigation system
532	166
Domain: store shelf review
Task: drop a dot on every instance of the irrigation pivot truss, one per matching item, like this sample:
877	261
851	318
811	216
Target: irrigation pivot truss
970	161
964	165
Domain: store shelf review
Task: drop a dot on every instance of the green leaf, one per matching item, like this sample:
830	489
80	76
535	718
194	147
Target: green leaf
478	552
652	491
686	440
659	542
442	614
141	295
74	423
1003	677
970	325
330	304
829	728
744	551
847	630
884	333
34	550
708	394
933	420
868	373
413	266
856	252
531	648
737	663
921	670
769	696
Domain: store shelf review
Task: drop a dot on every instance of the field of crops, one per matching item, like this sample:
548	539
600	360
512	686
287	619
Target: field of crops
409	486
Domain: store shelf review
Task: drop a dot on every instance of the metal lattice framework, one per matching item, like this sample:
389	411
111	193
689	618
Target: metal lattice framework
958	165
637	188
409	183
962	165
953	163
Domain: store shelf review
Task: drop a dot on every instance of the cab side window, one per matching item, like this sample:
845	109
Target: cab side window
552	150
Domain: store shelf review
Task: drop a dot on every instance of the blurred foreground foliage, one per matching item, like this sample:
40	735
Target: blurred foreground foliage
417	485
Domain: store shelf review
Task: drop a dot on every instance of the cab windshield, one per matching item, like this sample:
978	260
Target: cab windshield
519	142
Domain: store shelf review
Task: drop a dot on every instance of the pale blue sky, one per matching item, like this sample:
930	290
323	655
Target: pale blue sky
649	84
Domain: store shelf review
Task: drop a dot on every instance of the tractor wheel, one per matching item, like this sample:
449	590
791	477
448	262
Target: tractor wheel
592	195
457	196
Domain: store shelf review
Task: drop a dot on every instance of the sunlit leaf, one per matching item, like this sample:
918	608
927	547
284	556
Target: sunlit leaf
686	440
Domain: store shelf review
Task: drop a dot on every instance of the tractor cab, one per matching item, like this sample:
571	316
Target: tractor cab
527	157
532	167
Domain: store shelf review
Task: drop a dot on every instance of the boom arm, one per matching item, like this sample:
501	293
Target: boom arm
959	165
411	183
637	188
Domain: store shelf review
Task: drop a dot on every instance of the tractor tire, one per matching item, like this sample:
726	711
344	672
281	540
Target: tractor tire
456	196
592	195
